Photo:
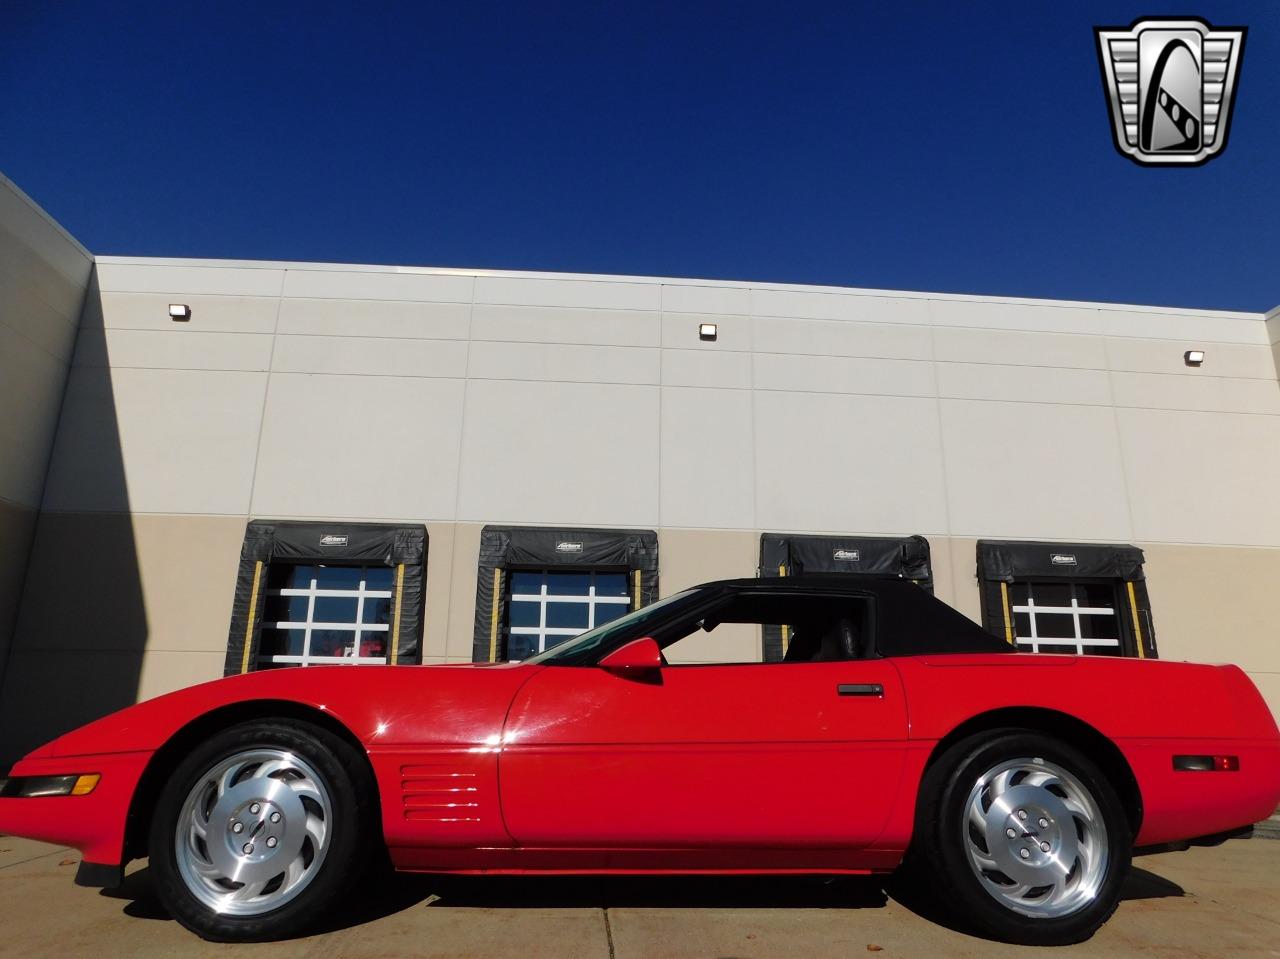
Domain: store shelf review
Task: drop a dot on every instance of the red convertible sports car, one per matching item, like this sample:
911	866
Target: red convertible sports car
894	733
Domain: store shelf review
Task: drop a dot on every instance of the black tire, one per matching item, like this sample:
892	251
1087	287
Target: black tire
938	857
354	815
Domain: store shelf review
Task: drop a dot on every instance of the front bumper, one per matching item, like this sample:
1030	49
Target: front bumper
95	823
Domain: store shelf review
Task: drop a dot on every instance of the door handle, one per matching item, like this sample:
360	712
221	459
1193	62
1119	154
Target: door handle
860	689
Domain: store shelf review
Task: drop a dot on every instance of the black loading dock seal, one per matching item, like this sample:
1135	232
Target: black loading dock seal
402	548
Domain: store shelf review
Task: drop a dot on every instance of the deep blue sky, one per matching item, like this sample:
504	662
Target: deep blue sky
949	147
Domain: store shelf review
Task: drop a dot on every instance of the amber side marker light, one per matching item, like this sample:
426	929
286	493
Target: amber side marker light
1206	764
39	787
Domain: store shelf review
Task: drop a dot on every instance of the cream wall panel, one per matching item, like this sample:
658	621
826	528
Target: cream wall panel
24	314
681	331
17	528
574	364
993	315
163	671
544	325
372	285
1202	477
1035	384
115	277
588	294
1269	685
841	374
439	581
22	467
584	454
1166	356
690	557
178	349
27	226
462	591
706	458
958	556
706	368
961	345
29	260
370	356
156	441
723	300
1209	604
829	463
440	321
1208	393
30	392
834	338
840	306
1184	326
1034	470
369	446
209	314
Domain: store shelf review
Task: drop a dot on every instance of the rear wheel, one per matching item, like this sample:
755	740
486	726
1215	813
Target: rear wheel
1022	837
260	830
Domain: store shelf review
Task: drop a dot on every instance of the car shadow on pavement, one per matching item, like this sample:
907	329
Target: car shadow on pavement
389	893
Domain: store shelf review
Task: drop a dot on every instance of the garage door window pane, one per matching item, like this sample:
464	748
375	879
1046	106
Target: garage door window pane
551	606
1065	617
325	614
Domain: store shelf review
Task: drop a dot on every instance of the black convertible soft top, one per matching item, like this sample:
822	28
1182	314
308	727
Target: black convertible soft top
909	620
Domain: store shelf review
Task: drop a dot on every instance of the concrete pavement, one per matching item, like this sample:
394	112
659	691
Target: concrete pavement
1205	902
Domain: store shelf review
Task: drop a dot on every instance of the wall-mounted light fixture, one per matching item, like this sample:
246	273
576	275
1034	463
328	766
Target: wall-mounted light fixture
179	311
707	331
1193	357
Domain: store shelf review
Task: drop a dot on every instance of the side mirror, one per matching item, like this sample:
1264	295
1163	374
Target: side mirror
638	658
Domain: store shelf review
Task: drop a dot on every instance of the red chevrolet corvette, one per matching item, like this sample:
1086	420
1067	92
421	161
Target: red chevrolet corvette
894	732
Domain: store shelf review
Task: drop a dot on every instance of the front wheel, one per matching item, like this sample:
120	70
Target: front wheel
260	830
1023	837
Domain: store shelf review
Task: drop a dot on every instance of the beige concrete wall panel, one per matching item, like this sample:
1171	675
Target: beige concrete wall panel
585	294
156	441
829	463
1208	393
26	262
841	374
172	278
17	528
371	446
464	561
33	228
209	314
163	671
439	583
28	319
1167	356
370	356
180	348
721	300
1026	384
706	458
400	320
584	454
898	341
1034	470
1202	477
966	594
840	306
342	284
689	557
540	324
564	363
705	368
1063	351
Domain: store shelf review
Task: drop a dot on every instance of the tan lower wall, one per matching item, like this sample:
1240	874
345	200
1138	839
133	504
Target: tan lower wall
119	608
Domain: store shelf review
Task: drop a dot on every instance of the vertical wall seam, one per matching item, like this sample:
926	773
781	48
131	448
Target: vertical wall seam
1119	443
457	486
942	453
266	395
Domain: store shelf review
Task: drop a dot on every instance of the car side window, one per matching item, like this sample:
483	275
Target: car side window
814	629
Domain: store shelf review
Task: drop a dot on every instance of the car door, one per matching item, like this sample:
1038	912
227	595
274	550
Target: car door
804	754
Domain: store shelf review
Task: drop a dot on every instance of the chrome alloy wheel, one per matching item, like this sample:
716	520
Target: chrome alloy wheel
253	832
1036	839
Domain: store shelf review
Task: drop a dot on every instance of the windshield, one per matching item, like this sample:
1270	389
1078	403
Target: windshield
593	639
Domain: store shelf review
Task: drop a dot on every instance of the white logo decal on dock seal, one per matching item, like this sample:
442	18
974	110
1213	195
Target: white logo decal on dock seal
333	539
846	555
1062	559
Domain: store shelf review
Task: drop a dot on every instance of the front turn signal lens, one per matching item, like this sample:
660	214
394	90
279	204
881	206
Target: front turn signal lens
85	784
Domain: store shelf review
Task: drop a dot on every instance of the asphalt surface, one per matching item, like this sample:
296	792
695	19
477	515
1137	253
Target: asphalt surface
1215	902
